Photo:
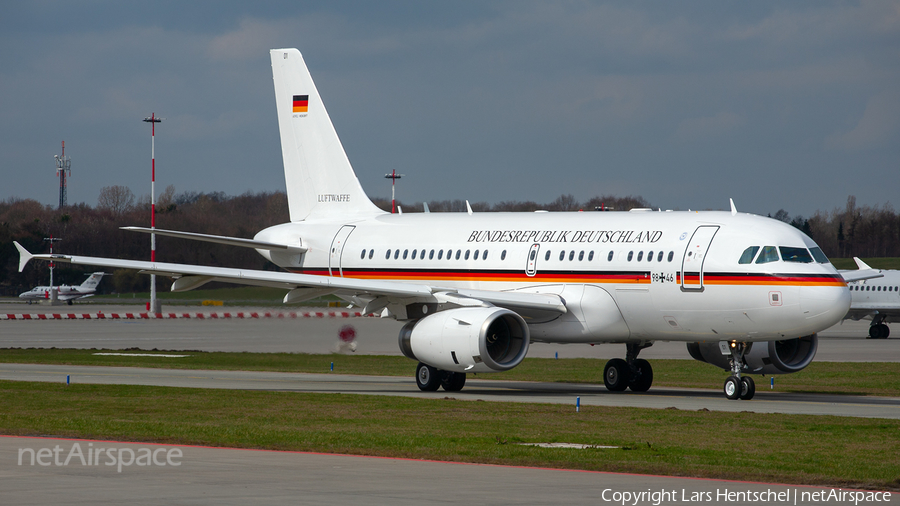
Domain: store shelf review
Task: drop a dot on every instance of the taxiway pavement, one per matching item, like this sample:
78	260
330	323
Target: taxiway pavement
208	476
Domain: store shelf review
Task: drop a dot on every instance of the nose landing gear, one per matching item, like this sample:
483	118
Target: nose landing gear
737	387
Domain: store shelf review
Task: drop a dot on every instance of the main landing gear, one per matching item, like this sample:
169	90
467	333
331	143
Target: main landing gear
878	330
429	379
737	387
633	372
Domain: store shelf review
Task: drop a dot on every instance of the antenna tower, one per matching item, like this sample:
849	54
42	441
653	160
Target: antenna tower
63	168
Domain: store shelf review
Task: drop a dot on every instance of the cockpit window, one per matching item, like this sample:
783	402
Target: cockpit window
818	255
748	255
798	255
769	254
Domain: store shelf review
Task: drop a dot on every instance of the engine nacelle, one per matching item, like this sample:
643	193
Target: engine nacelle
766	357
479	339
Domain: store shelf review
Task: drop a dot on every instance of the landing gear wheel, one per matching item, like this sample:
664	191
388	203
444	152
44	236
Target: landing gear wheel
453	381
428	379
732	388
748	388
879	331
643	376
616	375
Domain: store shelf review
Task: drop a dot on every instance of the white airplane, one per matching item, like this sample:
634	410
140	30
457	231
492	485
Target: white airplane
746	293
878	299
65	292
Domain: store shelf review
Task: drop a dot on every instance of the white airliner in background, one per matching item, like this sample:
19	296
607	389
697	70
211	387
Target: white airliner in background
65	292
746	293
878	299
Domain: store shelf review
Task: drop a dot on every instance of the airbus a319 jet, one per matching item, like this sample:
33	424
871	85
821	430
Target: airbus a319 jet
745	293
65	292
877	298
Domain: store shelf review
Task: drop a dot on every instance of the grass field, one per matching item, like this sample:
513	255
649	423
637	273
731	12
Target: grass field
875	263
880	378
796	449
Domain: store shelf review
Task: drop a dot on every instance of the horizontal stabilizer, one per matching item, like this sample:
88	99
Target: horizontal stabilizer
219	239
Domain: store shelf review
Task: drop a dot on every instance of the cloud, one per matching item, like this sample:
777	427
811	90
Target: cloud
877	127
698	129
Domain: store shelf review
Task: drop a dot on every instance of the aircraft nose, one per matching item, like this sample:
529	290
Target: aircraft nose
824	306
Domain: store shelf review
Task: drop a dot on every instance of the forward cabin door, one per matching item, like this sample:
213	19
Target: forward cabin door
531	266
694	256
337	247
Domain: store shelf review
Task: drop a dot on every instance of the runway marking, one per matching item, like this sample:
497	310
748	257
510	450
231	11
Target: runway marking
141	355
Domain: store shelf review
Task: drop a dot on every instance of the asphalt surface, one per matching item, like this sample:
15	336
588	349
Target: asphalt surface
199	475
374	336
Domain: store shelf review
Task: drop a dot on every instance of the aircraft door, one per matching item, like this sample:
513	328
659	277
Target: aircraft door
337	247
531	266
694	256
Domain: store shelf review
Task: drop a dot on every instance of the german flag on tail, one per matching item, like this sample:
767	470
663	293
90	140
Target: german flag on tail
301	103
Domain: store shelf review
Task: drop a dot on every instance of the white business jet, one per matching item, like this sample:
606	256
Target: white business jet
746	293
65	292
877	298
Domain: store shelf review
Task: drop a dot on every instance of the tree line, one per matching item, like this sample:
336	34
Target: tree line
94	231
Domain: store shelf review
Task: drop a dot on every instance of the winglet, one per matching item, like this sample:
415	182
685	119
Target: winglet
24	256
859	263
468	208
733	209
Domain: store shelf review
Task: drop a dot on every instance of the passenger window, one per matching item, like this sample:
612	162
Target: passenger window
796	255
484	255
768	254
530	257
396	254
467	254
748	255
431	254
610	257
581	256
476	255
562	255
547	256
818	255
458	252
503	255
413	255
630	254
371	253
650	256
449	254
440	254
405	252
590	256
362	255
671	255
659	257
640	256
572	255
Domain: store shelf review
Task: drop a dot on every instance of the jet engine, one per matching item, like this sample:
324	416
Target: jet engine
480	339
765	357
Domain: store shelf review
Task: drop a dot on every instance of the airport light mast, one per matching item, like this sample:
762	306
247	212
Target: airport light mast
153	120
393	176
63	166
52	240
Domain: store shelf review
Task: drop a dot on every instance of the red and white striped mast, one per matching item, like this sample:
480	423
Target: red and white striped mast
393	176
153	120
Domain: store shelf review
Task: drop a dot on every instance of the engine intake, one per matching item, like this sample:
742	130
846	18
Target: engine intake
482	339
767	357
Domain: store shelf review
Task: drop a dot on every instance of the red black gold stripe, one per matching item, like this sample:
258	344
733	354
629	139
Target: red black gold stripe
301	103
599	277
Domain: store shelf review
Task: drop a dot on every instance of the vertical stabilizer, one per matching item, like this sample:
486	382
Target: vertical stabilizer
320	181
92	282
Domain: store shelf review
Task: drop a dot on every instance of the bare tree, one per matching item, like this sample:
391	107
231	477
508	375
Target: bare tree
117	199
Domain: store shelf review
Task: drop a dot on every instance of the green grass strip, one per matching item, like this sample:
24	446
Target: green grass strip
856	378
796	449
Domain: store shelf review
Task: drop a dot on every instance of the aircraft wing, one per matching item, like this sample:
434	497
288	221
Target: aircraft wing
863	272
868	310
192	276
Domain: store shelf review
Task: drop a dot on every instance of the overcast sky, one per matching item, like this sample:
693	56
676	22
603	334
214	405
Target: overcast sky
792	105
